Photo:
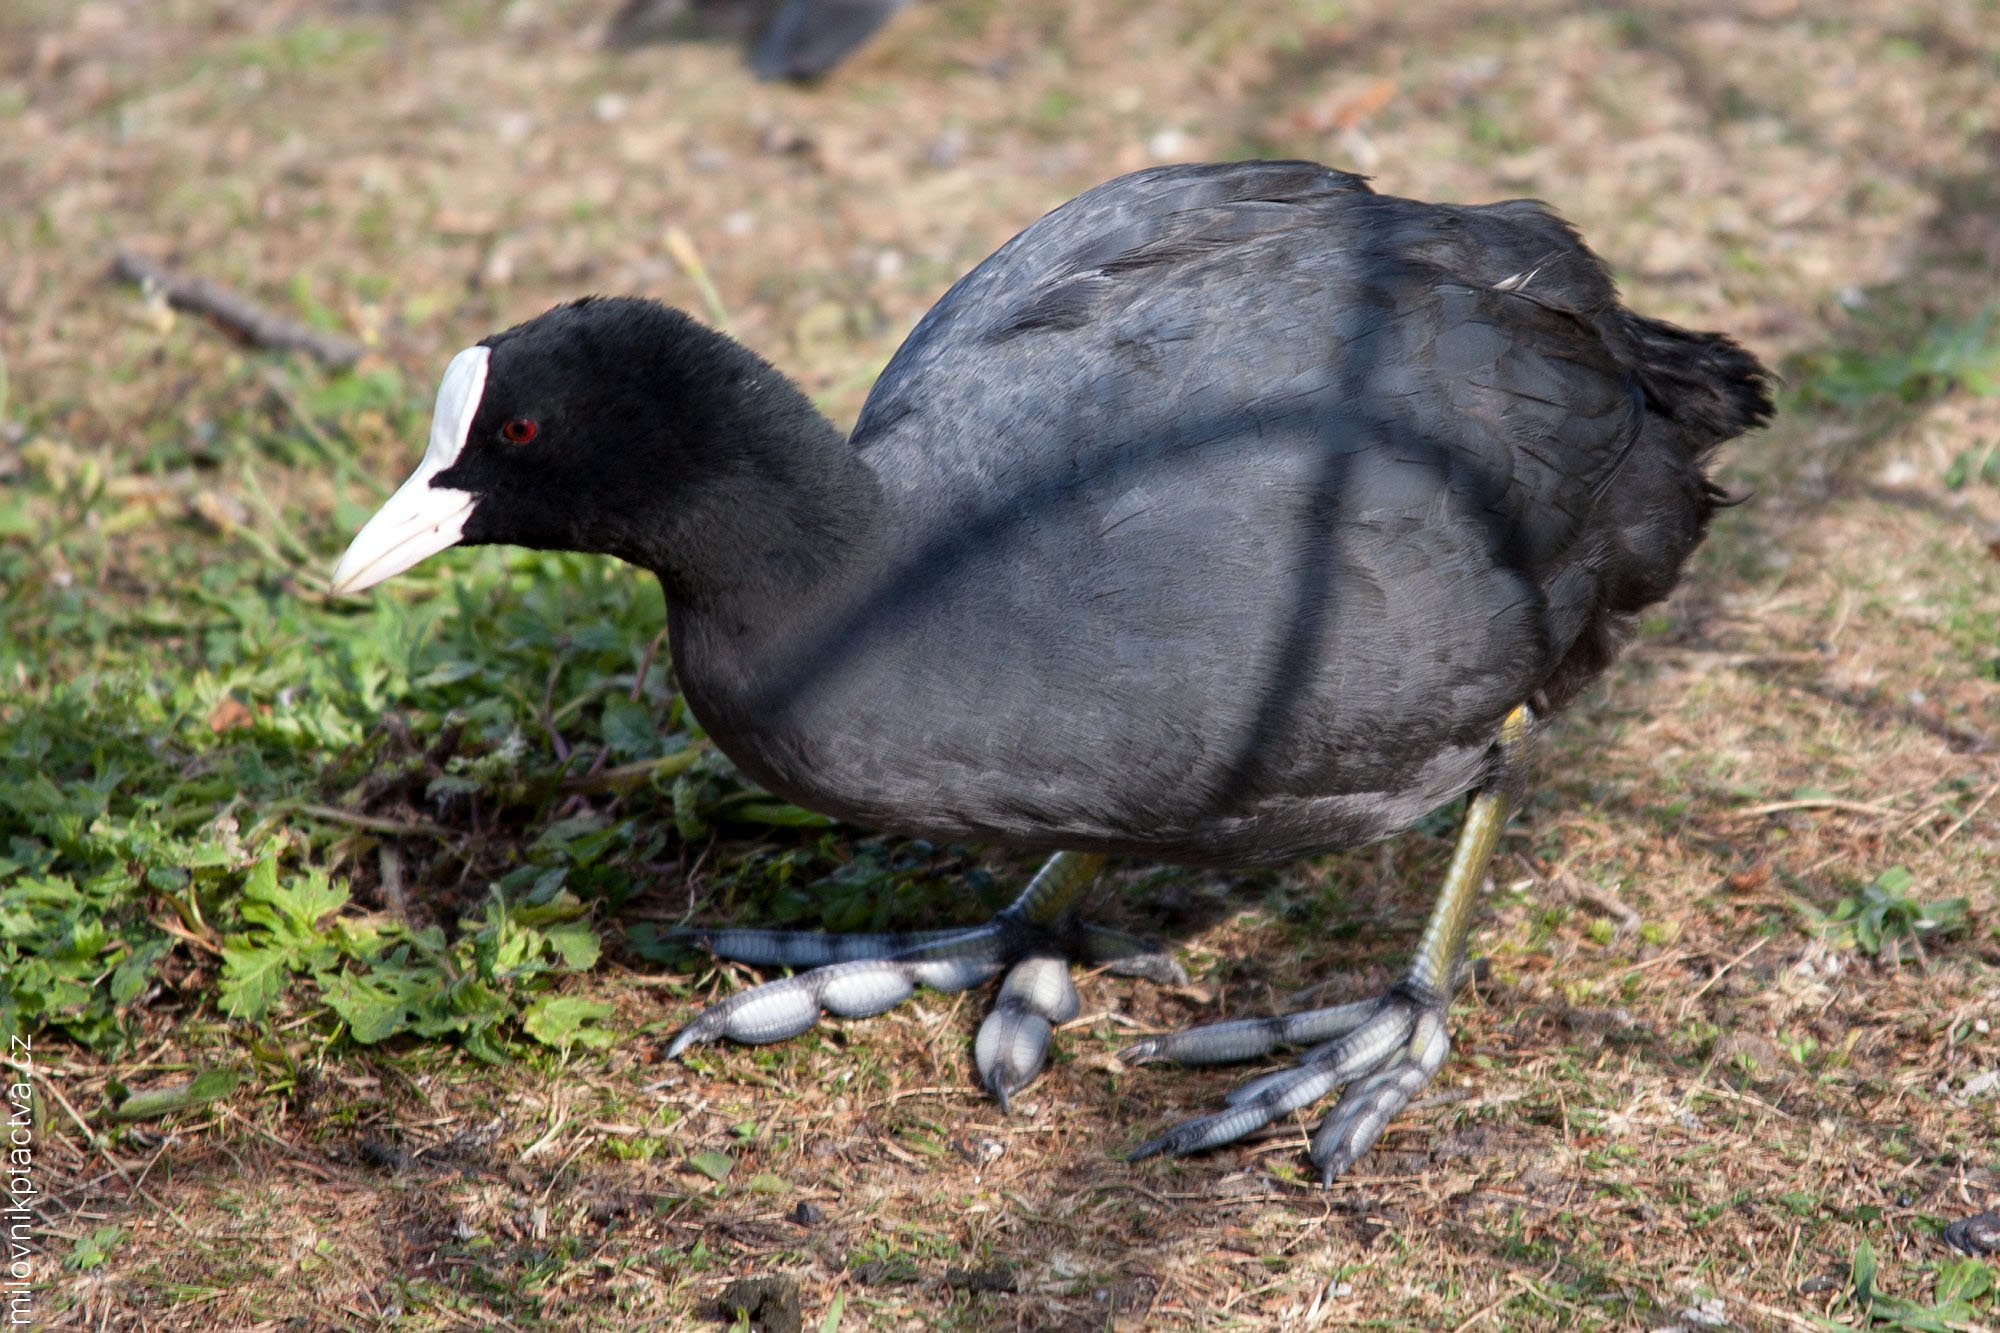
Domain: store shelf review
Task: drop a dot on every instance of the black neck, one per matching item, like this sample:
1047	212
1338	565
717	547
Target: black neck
769	502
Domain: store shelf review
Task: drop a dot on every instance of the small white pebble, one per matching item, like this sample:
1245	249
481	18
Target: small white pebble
609	107
739	223
1167	145
498	270
945	150
1979	1085
1709	1314
1359	149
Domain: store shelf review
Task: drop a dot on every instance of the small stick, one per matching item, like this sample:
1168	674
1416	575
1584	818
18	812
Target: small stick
1606	902
90	1136
372	823
1966	818
548	720
638	688
1719	973
1814	803
238	314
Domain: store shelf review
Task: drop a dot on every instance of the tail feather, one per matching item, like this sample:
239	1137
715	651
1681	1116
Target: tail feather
1706	383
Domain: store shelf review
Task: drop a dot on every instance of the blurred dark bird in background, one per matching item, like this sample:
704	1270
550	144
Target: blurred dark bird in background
795	39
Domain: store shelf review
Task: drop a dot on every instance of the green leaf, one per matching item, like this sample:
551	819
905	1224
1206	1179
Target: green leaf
374	1007
1960	470
576	944
716	1166
130	977
628	728
687	819
1894	880
208	1086
91	1251
1963	1280
831	1324
560	1020
1863	1272
778	814
252	977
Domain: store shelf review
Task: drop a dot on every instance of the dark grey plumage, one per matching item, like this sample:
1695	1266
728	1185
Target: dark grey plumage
1224	514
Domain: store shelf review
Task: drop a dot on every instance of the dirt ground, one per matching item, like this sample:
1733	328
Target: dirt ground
1680	1097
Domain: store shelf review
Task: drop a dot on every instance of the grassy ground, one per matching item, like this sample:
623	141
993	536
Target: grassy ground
335	926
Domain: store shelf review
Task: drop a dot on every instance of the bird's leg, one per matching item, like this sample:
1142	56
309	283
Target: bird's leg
856	975
1382	1050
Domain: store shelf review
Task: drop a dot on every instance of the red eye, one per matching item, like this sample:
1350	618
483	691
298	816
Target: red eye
519	431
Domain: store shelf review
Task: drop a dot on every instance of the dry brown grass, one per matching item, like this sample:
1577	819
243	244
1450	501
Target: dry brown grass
1714	1104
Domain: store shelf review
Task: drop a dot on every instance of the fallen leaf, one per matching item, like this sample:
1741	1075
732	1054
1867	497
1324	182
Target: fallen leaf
229	714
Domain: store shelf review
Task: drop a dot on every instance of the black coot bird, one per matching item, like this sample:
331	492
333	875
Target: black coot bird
1226	515
800	40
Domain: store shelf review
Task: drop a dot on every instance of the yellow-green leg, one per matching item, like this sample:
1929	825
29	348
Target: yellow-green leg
1443	945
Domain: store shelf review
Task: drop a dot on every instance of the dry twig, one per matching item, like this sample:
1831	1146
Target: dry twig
239	314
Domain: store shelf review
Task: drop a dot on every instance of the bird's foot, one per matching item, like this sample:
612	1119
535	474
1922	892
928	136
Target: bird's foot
857	975
1381	1050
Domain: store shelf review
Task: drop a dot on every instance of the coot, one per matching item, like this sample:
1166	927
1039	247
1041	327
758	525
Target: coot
801	39
1228	514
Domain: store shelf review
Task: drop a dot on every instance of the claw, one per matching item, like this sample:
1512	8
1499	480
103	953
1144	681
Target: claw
1013	1041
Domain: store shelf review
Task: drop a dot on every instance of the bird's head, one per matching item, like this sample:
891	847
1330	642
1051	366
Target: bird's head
596	426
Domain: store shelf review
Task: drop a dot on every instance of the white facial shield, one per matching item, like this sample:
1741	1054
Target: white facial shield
420	519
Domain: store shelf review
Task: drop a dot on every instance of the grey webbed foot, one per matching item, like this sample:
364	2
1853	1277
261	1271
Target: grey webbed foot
1382	1051
857	975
